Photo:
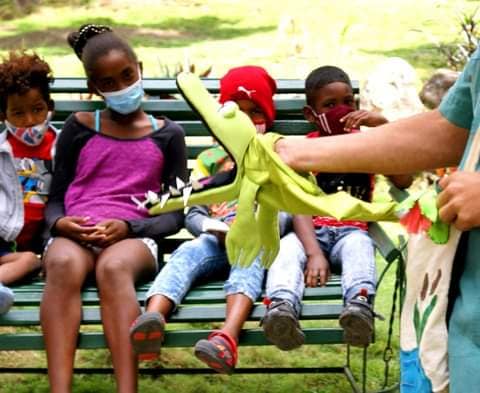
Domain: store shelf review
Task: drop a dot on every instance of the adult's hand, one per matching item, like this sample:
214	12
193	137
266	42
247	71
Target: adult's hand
459	201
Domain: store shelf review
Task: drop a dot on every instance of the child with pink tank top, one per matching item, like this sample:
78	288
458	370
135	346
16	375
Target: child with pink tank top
103	159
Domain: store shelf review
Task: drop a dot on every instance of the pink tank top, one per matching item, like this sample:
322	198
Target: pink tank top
109	172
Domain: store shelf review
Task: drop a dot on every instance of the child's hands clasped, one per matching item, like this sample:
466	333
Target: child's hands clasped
75	228
355	119
102	235
109	232
317	270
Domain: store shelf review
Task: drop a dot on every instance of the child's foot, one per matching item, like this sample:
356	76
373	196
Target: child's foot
146	335
218	352
281	327
6	299
356	320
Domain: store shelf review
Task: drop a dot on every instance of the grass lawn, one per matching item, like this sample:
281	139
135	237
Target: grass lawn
354	34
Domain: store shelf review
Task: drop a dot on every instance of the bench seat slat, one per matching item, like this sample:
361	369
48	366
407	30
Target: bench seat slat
33	297
174	339
184	314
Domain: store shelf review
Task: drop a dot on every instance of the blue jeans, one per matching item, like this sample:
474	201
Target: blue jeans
203	258
349	250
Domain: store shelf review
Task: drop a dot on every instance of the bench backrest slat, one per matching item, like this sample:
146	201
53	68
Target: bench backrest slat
157	86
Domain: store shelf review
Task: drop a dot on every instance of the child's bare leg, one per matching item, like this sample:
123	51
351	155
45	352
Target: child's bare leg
238	310
67	265
147	332
17	265
118	267
219	351
160	304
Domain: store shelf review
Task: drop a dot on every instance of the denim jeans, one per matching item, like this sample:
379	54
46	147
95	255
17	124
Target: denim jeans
349	250
203	259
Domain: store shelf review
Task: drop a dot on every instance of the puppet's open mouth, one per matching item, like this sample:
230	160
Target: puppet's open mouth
184	190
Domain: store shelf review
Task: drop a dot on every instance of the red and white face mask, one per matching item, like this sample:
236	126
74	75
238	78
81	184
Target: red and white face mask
329	122
261	127
31	136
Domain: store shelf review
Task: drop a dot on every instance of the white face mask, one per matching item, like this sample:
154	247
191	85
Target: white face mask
31	136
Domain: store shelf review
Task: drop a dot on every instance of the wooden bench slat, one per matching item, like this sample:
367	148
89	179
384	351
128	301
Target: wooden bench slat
184	314
173	339
173	109
198	295
195	128
156	86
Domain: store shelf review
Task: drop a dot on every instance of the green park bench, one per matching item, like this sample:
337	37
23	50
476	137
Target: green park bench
204	304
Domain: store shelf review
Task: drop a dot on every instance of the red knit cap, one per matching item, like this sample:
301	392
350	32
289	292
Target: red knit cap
251	83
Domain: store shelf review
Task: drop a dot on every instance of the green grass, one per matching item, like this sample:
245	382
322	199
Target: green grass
354	34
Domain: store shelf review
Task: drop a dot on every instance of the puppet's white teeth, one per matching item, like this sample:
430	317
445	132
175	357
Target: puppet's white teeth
186	194
164	200
152	197
140	205
180	183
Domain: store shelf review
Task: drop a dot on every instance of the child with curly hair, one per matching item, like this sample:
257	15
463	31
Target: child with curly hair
25	109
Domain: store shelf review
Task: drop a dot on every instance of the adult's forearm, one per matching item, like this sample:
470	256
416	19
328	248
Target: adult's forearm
420	142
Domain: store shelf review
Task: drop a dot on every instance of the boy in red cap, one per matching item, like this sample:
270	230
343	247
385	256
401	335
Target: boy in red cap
252	89
205	257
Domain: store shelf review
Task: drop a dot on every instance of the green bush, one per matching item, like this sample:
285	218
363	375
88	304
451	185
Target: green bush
458	53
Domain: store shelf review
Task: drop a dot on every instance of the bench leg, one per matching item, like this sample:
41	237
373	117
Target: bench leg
349	374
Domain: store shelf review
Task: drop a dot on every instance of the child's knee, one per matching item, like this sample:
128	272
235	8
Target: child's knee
59	265
112	270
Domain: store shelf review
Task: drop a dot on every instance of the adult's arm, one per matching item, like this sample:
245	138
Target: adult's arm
424	141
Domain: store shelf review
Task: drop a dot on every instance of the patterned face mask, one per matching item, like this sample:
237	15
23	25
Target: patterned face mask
31	136
127	100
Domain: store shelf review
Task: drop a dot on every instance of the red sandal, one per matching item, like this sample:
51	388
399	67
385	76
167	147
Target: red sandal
147	334
218	351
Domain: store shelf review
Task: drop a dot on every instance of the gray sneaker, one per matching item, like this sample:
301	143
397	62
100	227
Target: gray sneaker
281	327
356	320
6	299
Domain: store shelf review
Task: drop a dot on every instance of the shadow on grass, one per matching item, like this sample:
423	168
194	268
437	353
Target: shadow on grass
420	56
172	32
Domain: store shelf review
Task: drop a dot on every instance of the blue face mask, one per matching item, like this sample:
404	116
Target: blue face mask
127	100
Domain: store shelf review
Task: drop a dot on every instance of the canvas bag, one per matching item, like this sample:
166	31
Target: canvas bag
423	327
